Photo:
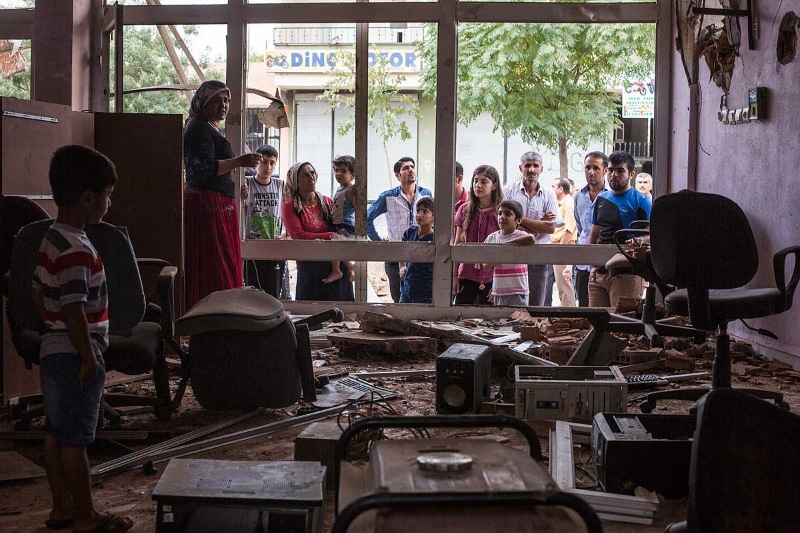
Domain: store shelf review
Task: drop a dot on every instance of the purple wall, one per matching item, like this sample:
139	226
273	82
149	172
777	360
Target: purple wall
758	164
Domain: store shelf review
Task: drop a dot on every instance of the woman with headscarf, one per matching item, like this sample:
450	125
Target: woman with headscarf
307	216
213	250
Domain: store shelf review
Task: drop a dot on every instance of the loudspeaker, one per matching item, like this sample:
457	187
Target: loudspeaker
462	378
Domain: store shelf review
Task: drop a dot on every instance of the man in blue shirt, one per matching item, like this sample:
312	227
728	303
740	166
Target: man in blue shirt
595	165
399	205
615	210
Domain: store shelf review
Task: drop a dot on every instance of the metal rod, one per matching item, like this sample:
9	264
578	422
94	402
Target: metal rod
181	439
223	440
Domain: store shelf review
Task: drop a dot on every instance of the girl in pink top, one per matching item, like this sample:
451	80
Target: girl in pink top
475	220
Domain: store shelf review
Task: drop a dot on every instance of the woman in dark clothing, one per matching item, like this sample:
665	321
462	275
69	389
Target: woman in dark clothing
307	216
213	255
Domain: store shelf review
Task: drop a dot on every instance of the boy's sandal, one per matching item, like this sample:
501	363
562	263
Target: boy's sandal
110	523
63	523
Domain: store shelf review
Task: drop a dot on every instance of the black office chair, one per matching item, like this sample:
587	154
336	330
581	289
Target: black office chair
628	261
744	474
703	244
135	346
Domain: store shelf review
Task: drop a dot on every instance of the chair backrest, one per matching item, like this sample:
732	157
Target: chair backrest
15	212
701	240
745	472
125	295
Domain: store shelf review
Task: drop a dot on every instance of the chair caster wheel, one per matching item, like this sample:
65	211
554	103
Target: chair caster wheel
647	406
163	413
783	405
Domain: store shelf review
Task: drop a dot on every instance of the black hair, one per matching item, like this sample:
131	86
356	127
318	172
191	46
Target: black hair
76	169
621	156
347	160
601	155
268	150
497	194
564	184
400	162
647	167
459	169
426	202
514	205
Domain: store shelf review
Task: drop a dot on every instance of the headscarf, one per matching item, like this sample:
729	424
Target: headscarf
207	90
293	191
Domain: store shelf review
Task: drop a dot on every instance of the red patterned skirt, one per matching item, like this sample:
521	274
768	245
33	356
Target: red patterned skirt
213	252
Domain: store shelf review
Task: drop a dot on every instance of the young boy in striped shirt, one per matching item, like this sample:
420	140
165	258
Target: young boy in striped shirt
71	298
510	281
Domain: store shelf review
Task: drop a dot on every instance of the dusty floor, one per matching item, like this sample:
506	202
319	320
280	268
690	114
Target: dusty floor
24	505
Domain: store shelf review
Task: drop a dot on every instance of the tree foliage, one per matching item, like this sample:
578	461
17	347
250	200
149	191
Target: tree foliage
147	64
548	83
387	107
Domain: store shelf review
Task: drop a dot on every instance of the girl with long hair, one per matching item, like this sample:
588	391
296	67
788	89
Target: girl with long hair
475	220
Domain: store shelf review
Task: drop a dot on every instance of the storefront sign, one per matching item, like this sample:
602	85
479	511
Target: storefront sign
322	60
638	100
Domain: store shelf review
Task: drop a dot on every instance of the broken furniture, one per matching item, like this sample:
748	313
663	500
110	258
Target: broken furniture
135	346
571	393
244	352
209	496
652	451
744	471
636	262
451	484
703	244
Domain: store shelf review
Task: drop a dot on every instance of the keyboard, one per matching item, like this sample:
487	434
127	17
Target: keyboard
646	380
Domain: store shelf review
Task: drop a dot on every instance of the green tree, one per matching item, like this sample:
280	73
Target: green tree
386	106
146	64
548	83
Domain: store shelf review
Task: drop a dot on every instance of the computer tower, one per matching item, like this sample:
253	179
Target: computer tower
462	379
653	451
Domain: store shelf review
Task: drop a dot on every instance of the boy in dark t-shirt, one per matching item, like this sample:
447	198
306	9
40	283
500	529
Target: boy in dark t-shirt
418	277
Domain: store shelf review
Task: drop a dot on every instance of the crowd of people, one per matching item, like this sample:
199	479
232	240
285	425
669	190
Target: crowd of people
522	213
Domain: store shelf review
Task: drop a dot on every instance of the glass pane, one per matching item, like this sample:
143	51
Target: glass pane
557	89
161	78
15	68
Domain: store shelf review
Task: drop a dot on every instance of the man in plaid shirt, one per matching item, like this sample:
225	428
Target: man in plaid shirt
398	205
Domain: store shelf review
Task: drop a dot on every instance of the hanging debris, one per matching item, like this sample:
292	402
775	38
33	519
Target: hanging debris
719	54
787	38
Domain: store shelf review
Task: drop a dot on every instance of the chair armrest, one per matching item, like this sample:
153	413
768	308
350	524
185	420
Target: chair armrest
166	298
151	261
622	235
779	266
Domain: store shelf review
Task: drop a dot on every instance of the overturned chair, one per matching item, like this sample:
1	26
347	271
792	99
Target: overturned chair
245	352
136	346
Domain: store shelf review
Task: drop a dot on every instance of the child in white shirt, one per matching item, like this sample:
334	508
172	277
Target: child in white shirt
510	281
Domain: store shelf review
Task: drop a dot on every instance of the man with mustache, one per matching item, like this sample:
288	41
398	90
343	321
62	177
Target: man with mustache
615	210
540	217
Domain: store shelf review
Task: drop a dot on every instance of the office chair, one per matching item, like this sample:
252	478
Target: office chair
135	346
743	474
628	262
703	244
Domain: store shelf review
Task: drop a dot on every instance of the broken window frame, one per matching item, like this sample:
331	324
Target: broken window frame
447	14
